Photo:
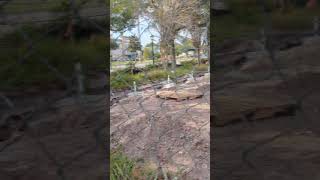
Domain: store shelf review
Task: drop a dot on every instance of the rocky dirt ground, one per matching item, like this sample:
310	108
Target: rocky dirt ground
52	135
266	112
265	124
167	128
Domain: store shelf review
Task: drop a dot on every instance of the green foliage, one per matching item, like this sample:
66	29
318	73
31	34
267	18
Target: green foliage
157	74
201	68
134	44
147	54
113	44
184	46
157	55
124	168
123	79
122	14
156	47
121	167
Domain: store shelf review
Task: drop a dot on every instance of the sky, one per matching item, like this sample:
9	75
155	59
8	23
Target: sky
144	30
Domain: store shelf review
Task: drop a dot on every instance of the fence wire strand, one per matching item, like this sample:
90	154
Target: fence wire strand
23	121
300	122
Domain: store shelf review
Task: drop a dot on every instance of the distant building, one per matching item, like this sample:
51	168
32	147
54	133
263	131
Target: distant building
122	53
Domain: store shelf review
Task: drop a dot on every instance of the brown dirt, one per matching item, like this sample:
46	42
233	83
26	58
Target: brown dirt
174	134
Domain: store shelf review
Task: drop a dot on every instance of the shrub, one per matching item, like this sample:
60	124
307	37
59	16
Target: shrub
201	68
121	166
157	74
147	54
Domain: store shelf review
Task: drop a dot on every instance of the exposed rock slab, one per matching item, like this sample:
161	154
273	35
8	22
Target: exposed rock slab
179	95
229	109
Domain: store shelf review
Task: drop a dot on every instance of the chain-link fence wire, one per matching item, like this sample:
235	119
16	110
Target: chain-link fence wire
161	113
30	123
303	120
74	95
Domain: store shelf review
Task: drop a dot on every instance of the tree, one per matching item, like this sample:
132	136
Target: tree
147	54
113	44
134	44
155	46
184	46
122	14
170	17
197	22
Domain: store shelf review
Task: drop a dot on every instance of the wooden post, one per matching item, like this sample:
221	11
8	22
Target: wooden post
134	88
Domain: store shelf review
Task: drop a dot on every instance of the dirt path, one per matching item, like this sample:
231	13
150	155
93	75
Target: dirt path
167	133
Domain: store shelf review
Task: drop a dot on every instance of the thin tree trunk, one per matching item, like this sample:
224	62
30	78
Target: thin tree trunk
198	53
173	51
163	54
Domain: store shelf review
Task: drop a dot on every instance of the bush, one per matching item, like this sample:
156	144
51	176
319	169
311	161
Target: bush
121	167
147	54
125	168
201	68
157	74
123	79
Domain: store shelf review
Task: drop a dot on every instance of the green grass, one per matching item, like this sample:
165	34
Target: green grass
121	167
114	64
123	79
61	54
125	168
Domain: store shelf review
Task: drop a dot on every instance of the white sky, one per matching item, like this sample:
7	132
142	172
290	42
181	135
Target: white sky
145	31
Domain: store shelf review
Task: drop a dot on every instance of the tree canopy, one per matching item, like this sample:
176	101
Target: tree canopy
122	14
134	44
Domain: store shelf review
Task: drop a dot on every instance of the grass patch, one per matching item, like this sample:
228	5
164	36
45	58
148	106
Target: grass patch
121	166
123	79
201	68
124	168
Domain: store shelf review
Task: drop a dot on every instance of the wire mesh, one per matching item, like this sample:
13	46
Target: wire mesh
160	104
53	120
249	77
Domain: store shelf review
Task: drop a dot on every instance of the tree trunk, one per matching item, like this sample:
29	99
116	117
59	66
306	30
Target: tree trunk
198	55
163	55
173	52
